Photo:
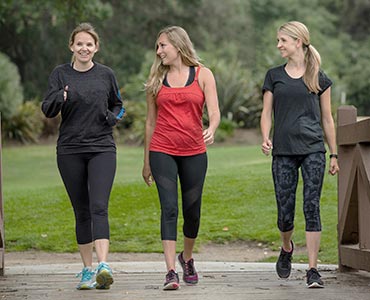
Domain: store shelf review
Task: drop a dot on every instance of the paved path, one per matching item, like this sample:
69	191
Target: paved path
218	281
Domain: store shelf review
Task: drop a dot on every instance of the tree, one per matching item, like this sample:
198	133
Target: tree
34	34
358	79
355	18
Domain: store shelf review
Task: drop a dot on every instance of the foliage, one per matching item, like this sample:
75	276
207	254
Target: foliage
133	29
133	125
225	129
11	94
134	88
234	39
25	125
34	34
238	93
238	203
355	19
358	78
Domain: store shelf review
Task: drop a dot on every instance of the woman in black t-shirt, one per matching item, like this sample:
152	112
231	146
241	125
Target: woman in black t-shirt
297	94
86	94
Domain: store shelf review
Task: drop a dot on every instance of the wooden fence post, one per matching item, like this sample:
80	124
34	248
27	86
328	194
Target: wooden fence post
353	138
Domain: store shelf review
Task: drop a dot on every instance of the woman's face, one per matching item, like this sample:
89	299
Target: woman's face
84	48
166	51
286	45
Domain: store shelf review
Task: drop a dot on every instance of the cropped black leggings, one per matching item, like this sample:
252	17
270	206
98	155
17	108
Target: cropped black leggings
191	171
88	178
285	175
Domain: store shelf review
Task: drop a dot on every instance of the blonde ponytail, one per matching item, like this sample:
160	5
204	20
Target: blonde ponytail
298	30
311	75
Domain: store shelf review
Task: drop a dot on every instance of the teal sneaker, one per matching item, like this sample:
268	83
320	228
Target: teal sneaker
87	279
104	276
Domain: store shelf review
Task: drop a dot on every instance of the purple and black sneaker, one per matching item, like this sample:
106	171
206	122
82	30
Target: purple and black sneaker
190	275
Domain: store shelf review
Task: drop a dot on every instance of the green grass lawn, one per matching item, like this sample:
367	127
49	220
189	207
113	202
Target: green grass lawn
238	203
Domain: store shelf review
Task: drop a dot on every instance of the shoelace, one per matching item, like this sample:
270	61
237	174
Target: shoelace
170	275
285	259
314	274
189	267
85	275
101	266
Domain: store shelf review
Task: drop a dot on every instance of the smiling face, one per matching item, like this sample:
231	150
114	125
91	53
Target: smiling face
84	47
166	51
287	45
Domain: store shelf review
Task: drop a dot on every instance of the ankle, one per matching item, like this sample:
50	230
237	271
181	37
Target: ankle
288	249
186	258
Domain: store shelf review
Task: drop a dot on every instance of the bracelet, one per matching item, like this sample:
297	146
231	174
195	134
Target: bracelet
333	155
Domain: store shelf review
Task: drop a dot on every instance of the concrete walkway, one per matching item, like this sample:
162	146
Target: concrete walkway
218	281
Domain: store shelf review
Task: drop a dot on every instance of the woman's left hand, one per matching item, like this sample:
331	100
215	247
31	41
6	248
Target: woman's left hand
208	136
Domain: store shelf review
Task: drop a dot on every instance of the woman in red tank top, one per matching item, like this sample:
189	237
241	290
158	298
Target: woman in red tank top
178	88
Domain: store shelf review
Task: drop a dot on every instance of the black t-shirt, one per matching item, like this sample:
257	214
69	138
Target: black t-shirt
89	113
297	114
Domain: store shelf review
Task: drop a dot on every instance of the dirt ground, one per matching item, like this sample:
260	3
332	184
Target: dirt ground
232	252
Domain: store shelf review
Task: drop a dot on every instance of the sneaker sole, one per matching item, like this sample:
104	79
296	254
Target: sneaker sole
104	279
190	282
171	286
315	285
85	288
103	287
283	276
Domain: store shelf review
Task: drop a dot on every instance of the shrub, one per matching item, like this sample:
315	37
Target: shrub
11	92
132	128
238	92
225	129
25	125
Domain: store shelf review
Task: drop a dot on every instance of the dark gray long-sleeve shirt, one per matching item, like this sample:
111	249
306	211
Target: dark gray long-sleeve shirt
90	111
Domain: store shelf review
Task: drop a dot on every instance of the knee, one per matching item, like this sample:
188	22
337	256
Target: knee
170	213
285	226
83	217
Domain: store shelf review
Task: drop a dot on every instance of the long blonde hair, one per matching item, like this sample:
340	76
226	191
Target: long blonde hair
83	27
179	38
298	30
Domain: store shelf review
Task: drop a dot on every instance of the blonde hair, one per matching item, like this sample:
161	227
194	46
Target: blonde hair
83	27
298	30
179	38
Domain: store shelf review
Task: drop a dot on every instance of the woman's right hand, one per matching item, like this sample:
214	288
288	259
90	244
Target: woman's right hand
147	175
266	147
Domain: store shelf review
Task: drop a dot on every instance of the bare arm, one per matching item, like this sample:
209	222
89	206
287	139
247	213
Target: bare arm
151	118
329	129
208	84
266	122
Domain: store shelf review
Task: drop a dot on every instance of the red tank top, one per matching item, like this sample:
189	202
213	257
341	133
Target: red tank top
179	127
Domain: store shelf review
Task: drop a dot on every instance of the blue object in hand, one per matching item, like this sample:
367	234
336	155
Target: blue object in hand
121	113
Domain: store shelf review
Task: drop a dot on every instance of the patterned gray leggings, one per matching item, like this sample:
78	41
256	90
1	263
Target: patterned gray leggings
285	175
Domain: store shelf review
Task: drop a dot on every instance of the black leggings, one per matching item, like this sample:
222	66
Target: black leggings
88	178
191	171
285	175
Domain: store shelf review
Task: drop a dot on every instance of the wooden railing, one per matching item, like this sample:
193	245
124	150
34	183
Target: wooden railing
2	239
353	137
